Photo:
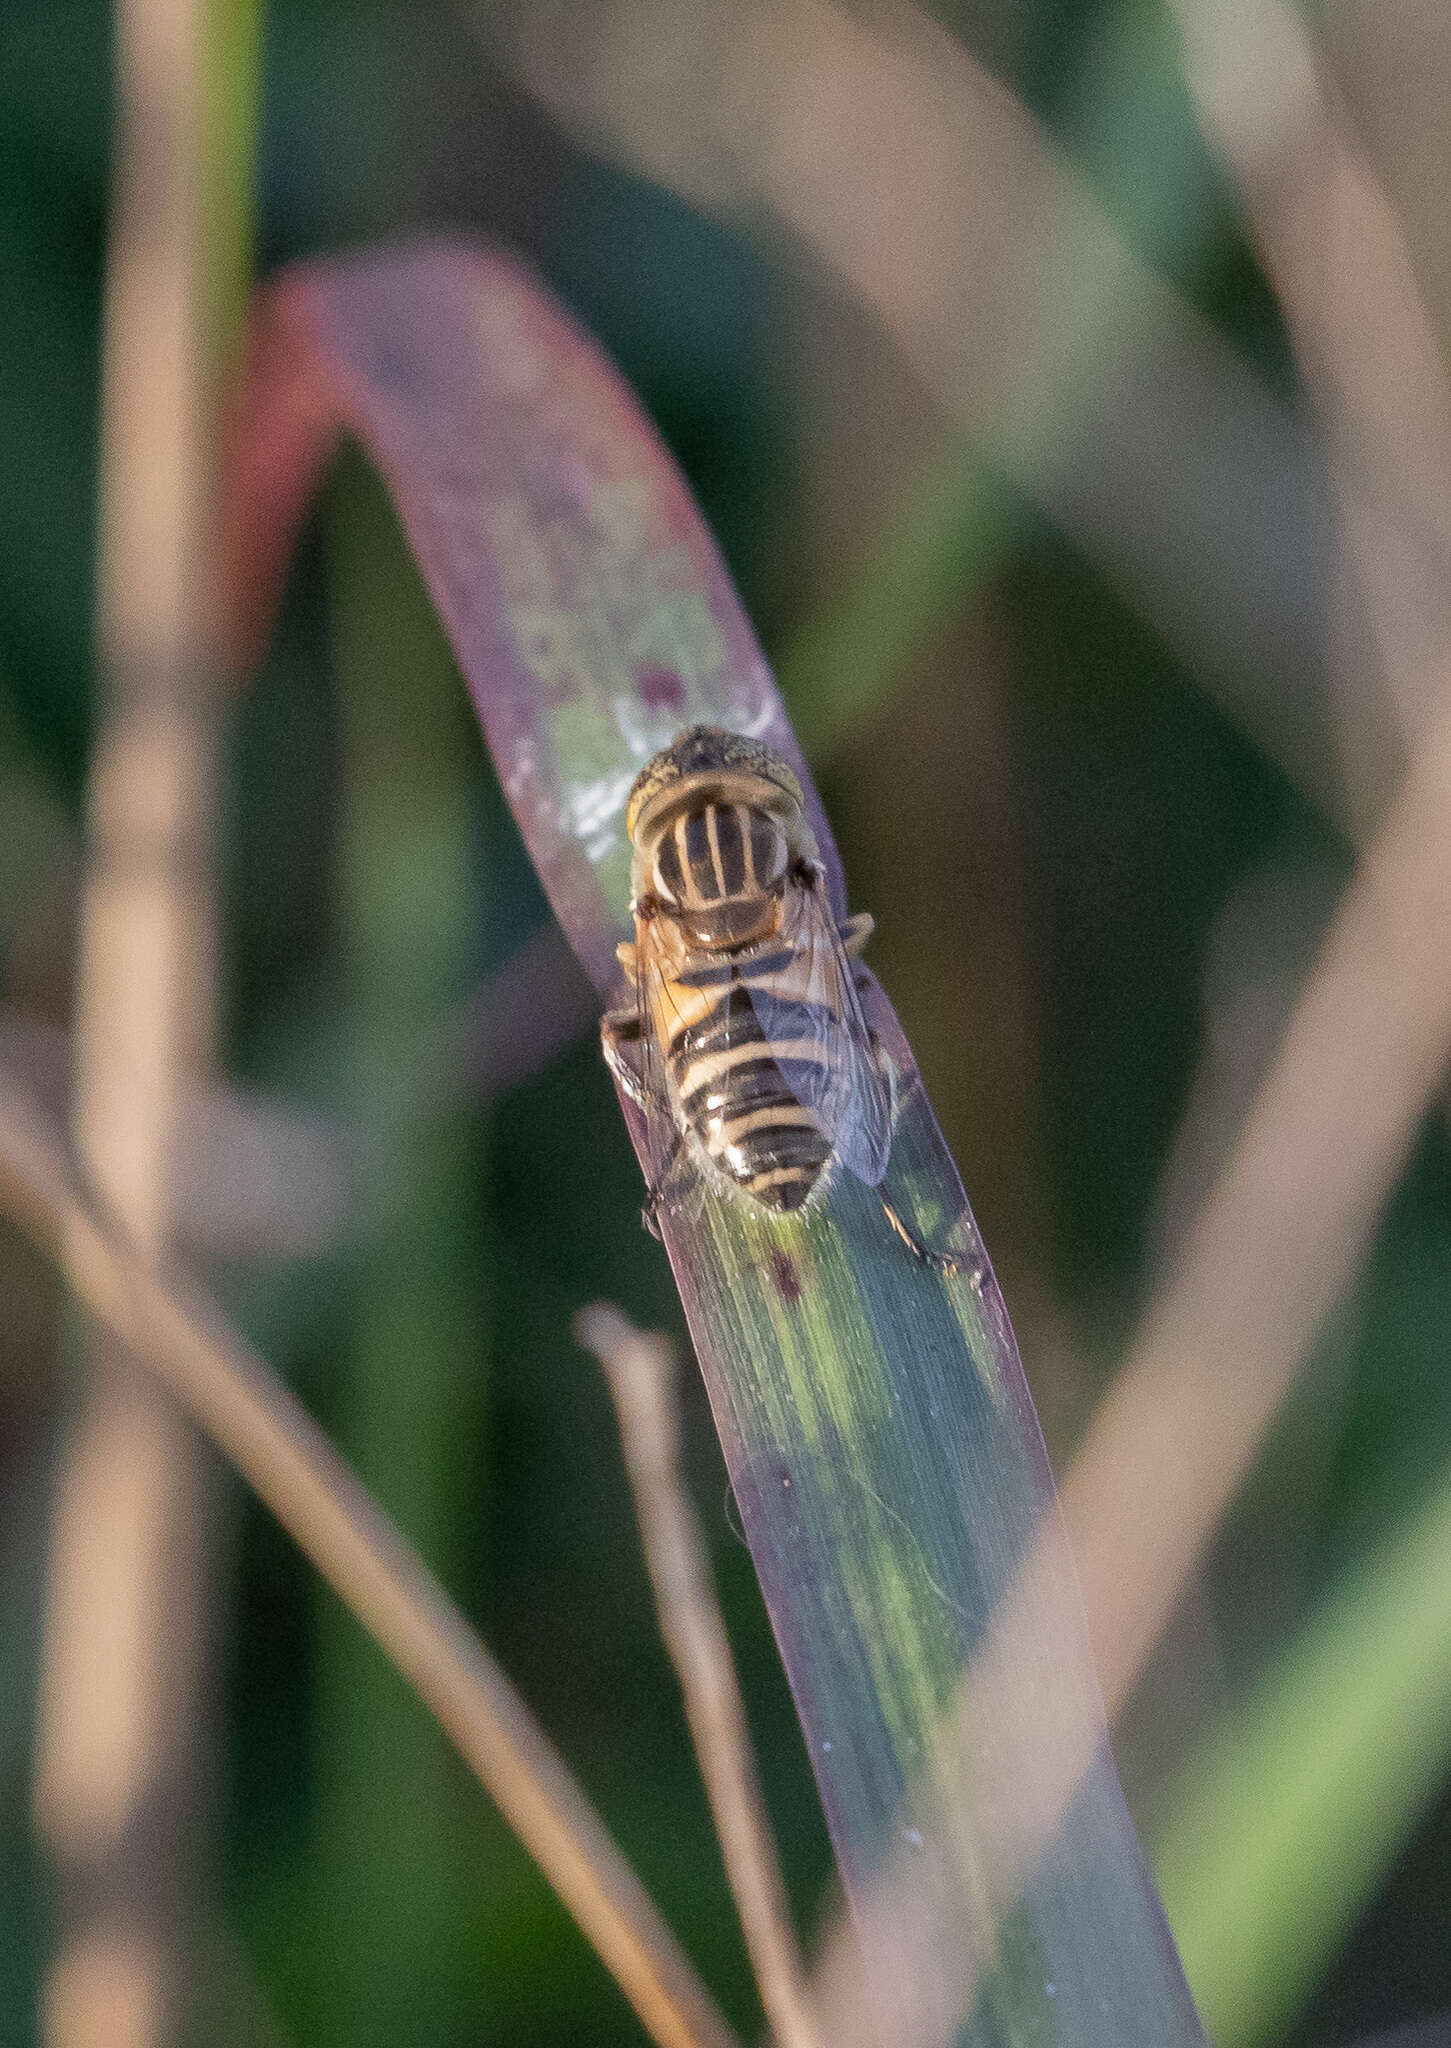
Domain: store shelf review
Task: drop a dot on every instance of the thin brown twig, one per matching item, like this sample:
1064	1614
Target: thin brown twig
1364	1035
258	1175
641	1370
1334	252
176	1330
120	1729
1276	1245
254	1174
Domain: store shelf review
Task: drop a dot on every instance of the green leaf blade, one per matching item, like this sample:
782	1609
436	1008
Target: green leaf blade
873	1411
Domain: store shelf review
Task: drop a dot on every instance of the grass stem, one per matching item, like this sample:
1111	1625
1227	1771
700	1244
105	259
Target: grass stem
641	1370
178	1332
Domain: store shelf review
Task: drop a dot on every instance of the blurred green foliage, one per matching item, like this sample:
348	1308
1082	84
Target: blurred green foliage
1049	820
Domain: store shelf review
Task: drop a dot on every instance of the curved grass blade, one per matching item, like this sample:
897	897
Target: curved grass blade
875	1419
1294	1810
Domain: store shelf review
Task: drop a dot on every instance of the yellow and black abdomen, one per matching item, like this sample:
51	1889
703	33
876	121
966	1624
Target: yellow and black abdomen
751	1069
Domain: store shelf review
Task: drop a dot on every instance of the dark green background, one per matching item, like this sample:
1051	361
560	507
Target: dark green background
1048	818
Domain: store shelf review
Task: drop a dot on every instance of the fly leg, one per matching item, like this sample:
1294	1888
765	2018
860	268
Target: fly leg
854	933
937	1262
620	1029
650	1213
925	1255
620	1041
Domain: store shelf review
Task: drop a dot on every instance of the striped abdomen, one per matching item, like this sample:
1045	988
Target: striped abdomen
751	1068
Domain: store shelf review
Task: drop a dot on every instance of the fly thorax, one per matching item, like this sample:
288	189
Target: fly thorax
718	869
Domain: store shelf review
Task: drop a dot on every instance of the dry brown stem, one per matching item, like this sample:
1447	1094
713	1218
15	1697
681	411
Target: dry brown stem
1369	1038
253	1174
259	1175
1280	1238
177	1332
1334	251
119	1735
641	1371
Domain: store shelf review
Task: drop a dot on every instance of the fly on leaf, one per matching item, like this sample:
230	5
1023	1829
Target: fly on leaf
744	1039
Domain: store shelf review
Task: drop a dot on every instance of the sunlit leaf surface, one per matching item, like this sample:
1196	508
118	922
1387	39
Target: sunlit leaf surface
874	1415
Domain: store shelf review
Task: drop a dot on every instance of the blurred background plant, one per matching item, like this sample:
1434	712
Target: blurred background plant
1074	440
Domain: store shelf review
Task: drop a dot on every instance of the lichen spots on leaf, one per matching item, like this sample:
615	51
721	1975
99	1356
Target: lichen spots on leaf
786	1277
661	689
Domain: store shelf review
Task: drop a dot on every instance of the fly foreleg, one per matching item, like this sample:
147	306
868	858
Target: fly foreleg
620	1043
650	1213
620	1039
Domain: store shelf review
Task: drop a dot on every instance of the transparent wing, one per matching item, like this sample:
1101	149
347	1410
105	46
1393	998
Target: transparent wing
850	1092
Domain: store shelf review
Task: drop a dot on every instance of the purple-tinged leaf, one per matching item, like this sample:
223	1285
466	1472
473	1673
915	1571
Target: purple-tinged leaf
588	606
873	1411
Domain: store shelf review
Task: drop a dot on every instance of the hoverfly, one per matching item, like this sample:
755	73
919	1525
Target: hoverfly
743	1036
